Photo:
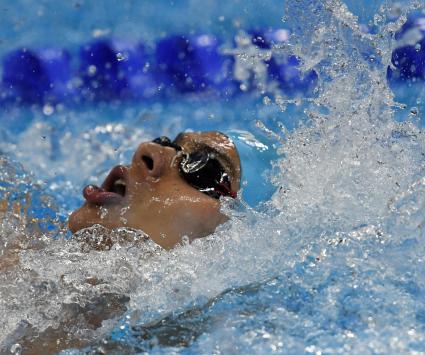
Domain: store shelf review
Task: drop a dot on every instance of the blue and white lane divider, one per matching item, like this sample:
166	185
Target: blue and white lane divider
37	76
111	69
285	69
107	69
408	59
192	63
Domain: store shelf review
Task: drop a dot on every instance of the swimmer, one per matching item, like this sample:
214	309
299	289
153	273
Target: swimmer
170	190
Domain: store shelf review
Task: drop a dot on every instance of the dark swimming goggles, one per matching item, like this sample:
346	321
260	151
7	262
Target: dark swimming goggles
202	170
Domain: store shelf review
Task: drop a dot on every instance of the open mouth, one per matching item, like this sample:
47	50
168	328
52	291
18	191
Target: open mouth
119	187
112	190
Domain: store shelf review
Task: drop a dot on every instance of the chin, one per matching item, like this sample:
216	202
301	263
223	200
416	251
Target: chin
76	221
82	218
88	216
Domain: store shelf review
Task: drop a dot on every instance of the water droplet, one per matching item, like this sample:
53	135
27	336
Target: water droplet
414	111
121	57
266	100
377	19
98	32
48	109
103	212
418	47
16	349
91	70
243	87
146	67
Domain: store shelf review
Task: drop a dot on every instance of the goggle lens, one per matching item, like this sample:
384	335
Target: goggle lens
202	170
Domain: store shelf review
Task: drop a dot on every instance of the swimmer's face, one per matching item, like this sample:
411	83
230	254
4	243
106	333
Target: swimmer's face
169	190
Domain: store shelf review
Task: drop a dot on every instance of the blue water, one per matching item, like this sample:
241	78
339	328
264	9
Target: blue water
323	254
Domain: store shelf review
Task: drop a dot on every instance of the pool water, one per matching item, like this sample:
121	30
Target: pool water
324	250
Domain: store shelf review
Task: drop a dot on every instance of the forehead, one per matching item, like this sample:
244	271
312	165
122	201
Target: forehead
216	141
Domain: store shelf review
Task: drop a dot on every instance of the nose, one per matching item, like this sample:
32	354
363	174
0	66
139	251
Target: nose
153	159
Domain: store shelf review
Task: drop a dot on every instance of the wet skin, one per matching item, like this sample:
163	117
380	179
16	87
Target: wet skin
156	198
